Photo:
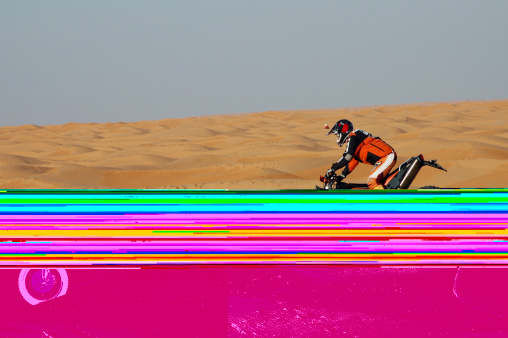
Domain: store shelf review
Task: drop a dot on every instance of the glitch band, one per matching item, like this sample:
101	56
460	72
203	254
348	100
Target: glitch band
66	228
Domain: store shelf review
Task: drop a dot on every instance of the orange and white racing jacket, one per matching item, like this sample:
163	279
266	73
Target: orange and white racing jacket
361	147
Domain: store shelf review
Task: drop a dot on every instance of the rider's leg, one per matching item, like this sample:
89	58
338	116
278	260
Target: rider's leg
381	171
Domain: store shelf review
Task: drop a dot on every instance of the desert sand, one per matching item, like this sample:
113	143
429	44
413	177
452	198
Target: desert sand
268	150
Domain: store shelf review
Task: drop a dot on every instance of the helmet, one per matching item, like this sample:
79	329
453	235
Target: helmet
342	129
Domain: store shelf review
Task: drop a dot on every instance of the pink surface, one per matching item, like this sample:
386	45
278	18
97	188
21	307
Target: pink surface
247	301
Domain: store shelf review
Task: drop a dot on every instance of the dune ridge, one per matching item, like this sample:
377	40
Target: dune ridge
267	150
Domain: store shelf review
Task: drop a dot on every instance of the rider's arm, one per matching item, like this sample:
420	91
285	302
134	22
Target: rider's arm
351	144
349	167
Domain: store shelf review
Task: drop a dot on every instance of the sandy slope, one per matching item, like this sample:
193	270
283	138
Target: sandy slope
269	150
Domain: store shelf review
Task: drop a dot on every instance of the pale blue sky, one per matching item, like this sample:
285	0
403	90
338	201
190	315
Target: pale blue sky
102	60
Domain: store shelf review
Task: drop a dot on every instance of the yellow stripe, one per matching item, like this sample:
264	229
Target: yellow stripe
95	233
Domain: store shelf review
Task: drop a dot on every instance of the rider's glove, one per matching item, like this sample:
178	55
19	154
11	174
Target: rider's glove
340	178
330	173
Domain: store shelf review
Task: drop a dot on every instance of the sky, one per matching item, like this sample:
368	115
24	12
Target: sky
110	61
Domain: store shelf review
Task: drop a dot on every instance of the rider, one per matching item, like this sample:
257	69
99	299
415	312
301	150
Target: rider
362	147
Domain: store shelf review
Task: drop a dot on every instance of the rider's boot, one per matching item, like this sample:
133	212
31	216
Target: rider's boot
375	184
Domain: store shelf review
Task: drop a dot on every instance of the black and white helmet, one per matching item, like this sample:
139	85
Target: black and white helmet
342	129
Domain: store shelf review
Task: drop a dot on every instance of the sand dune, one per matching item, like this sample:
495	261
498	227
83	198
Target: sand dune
135	160
268	150
11	159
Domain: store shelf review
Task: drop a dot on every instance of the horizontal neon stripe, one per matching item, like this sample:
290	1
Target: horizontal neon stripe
40	227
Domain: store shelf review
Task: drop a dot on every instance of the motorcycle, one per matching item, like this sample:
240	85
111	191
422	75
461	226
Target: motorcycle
400	178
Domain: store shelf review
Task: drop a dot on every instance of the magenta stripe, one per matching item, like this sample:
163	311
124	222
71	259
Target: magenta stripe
252	218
